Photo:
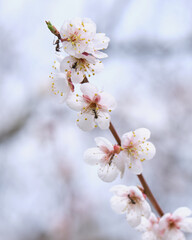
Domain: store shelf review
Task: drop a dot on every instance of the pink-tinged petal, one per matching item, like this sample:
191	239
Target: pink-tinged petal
108	173
142	134
103	120
147	151
75	102
118	204
182	212
88	90
126	138
85	121
186	225
101	141
136	167
108	101
93	156
134	217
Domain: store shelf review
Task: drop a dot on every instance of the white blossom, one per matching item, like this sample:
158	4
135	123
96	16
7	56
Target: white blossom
105	155
131	201
84	65
150	228
94	107
137	149
172	225
79	35
61	84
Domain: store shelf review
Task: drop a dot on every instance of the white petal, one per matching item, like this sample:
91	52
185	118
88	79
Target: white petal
174	234
148	151
120	190
186	225
108	101
120	164
65	64
144	225
108	173
101	141
142	134
76	76
149	236
118	204
93	156
85	121
136	167
88	89
125	140
97	67
182	212
75	102
100	41
133	217
103	120
99	54
146	209
60	87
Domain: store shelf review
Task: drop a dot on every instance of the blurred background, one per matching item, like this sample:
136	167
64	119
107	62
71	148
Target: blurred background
47	192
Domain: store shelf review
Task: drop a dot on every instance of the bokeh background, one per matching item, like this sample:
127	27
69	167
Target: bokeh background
47	192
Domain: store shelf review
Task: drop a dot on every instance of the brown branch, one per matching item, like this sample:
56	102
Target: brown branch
147	190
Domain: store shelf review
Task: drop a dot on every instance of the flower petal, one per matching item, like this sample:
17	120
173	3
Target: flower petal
136	167
120	164
75	102
103	120
134	217
182	212
93	156
85	121
118	204
108	173
148	151
88	90
101	141
108	101
186	225
142	134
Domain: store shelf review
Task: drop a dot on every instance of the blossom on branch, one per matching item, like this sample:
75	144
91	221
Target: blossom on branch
81	66
105	155
94	107
131	201
79	35
61	83
137	149
172	225
150	228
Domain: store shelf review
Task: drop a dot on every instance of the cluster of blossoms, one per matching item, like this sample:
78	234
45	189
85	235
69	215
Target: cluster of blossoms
131	201
82	44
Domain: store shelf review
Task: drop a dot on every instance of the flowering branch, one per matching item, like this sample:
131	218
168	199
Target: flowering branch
82	43
147	190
